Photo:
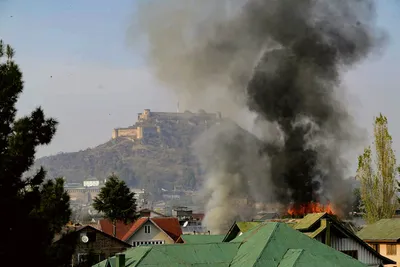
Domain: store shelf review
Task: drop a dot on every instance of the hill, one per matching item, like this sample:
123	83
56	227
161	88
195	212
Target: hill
153	153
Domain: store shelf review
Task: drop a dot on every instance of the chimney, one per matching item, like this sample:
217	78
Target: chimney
120	260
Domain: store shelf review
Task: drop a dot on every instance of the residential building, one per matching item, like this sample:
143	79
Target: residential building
88	242
153	231
384	237
326	229
268	244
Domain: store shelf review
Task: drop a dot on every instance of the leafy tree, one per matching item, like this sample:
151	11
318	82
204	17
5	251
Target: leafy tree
31	214
116	201
378	177
357	202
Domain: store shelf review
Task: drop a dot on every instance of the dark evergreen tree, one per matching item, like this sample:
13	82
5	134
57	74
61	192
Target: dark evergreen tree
30	213
116	201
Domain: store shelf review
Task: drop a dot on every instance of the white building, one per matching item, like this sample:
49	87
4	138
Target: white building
91	182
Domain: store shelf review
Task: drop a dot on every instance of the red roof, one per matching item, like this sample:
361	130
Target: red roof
170	225
139	222
122	228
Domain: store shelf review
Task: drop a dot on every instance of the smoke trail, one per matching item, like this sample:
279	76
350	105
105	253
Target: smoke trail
276	64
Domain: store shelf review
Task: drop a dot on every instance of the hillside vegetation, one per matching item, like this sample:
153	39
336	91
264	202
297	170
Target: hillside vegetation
158	161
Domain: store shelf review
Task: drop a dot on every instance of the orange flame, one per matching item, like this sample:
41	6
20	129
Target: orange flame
312	207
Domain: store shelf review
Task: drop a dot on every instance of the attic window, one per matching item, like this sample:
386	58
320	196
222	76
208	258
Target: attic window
147	229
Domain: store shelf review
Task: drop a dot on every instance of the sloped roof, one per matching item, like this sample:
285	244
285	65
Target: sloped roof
136	226
201	239
308	221
170	225
122	228
383	230
176	255
268	244
308	226
80	229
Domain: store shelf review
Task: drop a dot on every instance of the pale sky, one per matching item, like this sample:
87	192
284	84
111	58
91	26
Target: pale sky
79	67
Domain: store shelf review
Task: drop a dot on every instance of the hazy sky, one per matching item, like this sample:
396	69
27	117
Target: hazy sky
78	65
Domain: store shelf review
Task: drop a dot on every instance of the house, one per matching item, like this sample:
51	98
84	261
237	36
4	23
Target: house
199	239
384	237
326	229
118	231
153	231
89	244
269	244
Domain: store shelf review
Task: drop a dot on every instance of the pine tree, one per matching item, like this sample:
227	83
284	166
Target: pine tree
26	224
378	177
116	202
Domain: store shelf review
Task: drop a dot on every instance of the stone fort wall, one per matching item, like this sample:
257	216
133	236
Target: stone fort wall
139	130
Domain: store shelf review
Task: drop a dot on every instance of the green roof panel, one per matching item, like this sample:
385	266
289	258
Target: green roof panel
385	229
202	239
267	245
308	221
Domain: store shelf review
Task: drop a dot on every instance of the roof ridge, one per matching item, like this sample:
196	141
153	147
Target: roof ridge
269	239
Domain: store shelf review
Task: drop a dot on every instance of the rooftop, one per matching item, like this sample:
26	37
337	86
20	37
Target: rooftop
383	230
268	244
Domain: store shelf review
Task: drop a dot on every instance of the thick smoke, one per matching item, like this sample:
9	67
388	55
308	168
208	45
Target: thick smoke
274	68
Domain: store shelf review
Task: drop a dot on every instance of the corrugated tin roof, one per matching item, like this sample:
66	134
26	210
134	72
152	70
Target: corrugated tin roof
308	220
268	244
202	239
385	229
216	254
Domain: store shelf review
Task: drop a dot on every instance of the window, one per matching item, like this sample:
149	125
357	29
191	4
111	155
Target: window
391	249
351	253
375	247
147	229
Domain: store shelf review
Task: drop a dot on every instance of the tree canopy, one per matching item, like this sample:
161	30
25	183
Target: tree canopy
33	209
378	176
116	201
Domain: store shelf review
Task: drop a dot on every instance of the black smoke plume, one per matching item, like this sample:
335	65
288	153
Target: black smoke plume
274	67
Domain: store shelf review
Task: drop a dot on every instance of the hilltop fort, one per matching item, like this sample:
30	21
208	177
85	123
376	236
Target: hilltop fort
149	124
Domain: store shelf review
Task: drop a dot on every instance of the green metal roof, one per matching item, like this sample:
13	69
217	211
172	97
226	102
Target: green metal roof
267	244
308	221
246	226
385	229
276	244
202	239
